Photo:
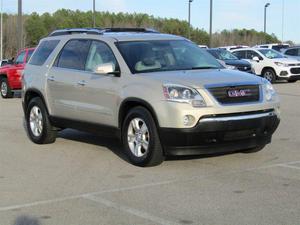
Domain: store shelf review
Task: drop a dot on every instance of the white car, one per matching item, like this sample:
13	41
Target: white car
233	47
276	46
270	64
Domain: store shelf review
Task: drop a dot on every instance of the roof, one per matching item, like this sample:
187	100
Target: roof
119	34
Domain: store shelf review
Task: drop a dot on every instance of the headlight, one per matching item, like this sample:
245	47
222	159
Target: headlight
230	67
269	91
182	94
281	64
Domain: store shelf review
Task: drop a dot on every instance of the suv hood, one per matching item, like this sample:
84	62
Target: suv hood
202	78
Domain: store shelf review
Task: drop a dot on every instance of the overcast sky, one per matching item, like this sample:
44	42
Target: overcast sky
228	14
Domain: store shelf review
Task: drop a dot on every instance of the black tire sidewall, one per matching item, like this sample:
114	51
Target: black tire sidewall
36	102
8	93
154	143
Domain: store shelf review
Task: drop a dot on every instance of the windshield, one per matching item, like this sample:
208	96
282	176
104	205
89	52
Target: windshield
165	55
271	54
222	54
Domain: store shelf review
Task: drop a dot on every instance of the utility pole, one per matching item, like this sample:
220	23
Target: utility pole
20	25
210	23
1	35
265	20
283	6
94	13
190	2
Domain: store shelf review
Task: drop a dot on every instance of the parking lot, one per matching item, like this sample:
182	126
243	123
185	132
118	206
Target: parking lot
85	179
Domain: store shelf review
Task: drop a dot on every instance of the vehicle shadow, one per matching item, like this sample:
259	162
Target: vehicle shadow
113	144
26	220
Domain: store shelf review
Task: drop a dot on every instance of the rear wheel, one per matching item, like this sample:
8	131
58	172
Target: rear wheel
140	138
39	128
5	89
270	75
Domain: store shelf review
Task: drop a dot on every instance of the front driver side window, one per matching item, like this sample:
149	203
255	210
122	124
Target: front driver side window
100	54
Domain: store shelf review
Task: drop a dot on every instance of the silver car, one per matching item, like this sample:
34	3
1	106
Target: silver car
293	52
160	94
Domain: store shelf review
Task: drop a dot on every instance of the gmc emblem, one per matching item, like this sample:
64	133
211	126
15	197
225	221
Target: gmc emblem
239	93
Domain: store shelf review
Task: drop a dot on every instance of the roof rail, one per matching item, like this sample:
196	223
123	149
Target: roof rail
100	31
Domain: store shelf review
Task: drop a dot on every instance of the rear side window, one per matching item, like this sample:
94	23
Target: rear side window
292	52
42	52
74	55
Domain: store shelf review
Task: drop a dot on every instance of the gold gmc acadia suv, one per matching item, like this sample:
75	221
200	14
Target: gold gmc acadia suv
160	94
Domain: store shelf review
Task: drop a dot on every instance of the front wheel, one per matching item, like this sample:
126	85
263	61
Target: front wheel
270	75
5	89
38	126
140	138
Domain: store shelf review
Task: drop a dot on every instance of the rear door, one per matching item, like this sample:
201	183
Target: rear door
63	77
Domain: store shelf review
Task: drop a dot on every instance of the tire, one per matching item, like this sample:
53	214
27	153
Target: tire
140	138
5	89
270	75
38	126
254	150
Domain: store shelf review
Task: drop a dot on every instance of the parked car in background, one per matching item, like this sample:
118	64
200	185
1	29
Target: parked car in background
160	94
233	47
10	74
278	47
230	60
292	52
270	64
4	62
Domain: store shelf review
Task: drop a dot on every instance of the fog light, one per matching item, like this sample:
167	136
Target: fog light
284	73
188	120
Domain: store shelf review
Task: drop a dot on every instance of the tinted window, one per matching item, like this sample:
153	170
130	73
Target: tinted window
240	54
222	54
43	51
166	55
21	57
74	54
292	52
252	54
99	54
279	47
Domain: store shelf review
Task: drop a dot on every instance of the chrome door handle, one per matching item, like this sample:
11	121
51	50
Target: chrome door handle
51	78
81	83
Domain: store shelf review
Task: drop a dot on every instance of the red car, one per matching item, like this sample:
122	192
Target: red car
10	75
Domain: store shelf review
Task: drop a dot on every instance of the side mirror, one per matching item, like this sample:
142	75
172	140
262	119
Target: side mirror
255	58
107	68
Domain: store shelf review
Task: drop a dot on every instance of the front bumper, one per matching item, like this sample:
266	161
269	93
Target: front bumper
221	133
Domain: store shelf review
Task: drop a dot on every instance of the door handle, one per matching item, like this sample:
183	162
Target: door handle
51	78
81	83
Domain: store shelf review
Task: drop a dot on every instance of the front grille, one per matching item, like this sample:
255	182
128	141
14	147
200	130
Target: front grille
221	94
295	70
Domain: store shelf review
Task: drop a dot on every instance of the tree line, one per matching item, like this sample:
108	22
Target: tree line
37	26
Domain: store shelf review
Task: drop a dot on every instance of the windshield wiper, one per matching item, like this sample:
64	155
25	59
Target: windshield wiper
204	67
